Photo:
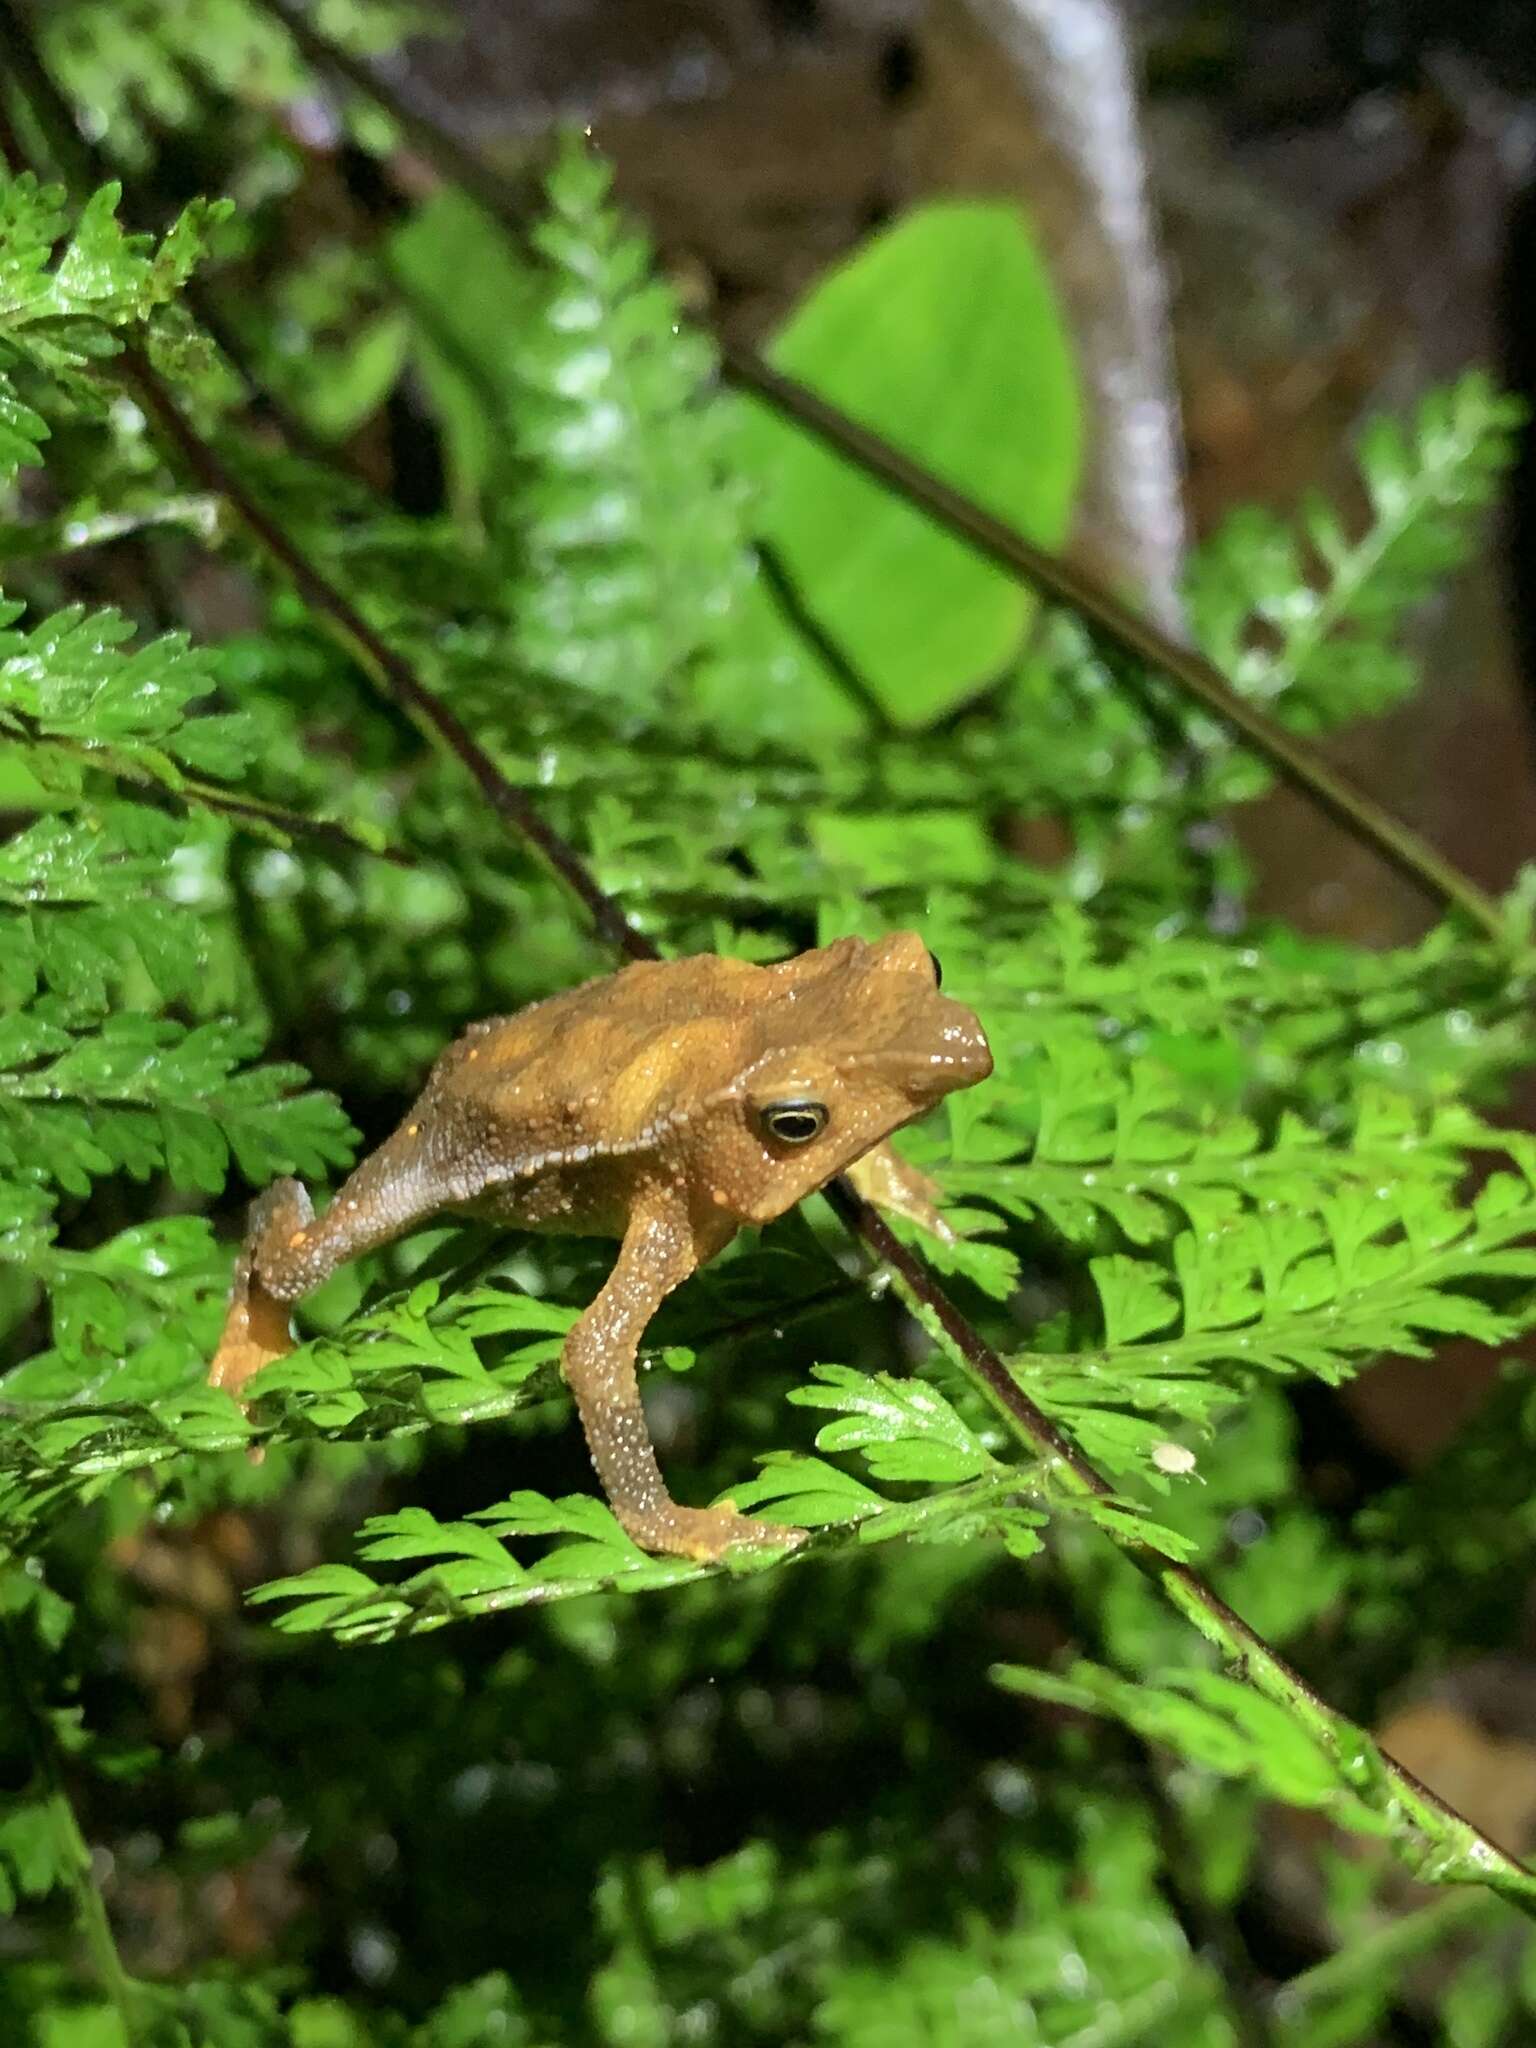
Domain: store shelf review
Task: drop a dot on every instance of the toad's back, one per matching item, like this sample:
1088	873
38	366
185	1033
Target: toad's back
601	1073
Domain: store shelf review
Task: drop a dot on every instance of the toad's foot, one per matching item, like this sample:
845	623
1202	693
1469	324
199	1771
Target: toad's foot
703	1534
256	1329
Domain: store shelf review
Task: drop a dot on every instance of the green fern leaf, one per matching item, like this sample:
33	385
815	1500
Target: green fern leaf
631	540
152	69
1320	1291
905	1429
76	891
77	700
1215	1723
139	1094
1327	650
67	294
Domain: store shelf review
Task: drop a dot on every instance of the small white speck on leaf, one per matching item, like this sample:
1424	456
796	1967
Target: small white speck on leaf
1174	1458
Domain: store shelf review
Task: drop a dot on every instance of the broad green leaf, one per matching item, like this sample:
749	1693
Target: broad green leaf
943	333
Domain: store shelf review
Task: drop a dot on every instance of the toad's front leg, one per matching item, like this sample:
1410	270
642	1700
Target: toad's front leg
598	1360
884	1178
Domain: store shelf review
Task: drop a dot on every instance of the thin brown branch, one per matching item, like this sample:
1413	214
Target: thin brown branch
332	832
1064	582
1246	1650
798	616
1130	631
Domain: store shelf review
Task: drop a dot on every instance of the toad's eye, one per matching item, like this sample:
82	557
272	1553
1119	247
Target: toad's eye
938	970
795	1123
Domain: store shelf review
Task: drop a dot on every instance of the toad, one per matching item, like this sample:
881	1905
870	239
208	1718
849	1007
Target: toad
665	1105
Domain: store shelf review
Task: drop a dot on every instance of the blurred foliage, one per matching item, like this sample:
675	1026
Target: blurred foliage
141	68
771	1804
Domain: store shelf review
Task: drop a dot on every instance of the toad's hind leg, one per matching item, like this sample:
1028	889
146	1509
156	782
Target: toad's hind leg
256	1322
288	1250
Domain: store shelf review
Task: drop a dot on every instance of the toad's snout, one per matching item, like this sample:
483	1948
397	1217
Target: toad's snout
935	1062
962	1048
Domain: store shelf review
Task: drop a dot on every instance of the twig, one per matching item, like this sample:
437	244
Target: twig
1450	1848
334	832
1128	630
802	620
1115	621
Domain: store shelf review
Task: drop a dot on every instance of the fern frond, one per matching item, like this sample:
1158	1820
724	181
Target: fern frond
80	1418
86	891
1217	1724
629	532
1313	618
1319	1291
1307	615
906	1433
121	1384
72	694
1129	1145
143	1094
1273	1018
67	293
151	65
482	1577
77	892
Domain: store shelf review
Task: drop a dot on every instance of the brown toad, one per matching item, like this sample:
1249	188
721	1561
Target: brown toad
665	1105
